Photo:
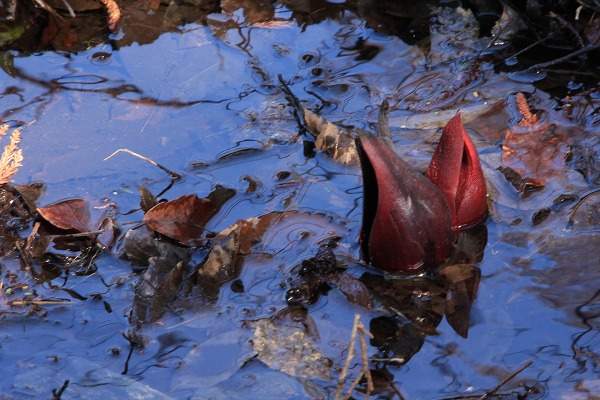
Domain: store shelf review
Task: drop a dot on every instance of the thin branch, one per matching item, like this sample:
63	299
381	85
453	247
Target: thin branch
174	175
56	394
349	357
358	329
583	50
295	102
506	380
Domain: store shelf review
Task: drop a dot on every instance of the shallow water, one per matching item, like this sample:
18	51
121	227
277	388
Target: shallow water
204	100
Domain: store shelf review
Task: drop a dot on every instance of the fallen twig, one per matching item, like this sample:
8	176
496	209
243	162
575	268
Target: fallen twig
174	175
295	102
56	394
583	50
506	380
359	330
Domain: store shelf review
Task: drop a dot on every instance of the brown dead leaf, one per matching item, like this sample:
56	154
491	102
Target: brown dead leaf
69	215
536	155
355	291
183	219
534	150
331	139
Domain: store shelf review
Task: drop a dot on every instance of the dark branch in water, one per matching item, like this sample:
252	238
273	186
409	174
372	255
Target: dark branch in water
506	380
57	394
583	50
295	102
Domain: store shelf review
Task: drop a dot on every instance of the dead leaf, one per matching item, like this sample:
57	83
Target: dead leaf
264	235
534	149
289	348
537	155
147	199
355	291
183	219
156	288
69	215
331	140
275	230
30	193
166	291
107	237
223	265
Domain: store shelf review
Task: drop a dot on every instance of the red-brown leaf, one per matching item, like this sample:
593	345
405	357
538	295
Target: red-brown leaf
183	219
70	215
536	154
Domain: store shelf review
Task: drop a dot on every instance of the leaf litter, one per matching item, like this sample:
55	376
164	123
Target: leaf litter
291	344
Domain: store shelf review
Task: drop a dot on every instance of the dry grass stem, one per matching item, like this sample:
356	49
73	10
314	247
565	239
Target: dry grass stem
174	175
11	158
358	330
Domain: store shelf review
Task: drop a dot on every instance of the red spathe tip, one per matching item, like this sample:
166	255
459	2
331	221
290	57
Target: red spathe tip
455	169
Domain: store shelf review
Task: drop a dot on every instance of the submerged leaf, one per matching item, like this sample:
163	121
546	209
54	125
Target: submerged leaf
534	149
30	193
147	199
289	348
269	233
107	237
355	291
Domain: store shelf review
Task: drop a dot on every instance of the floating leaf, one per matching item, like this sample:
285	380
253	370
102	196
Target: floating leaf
183	219
69	215
332	140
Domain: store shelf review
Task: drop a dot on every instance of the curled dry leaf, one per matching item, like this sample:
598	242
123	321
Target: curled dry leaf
331	140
